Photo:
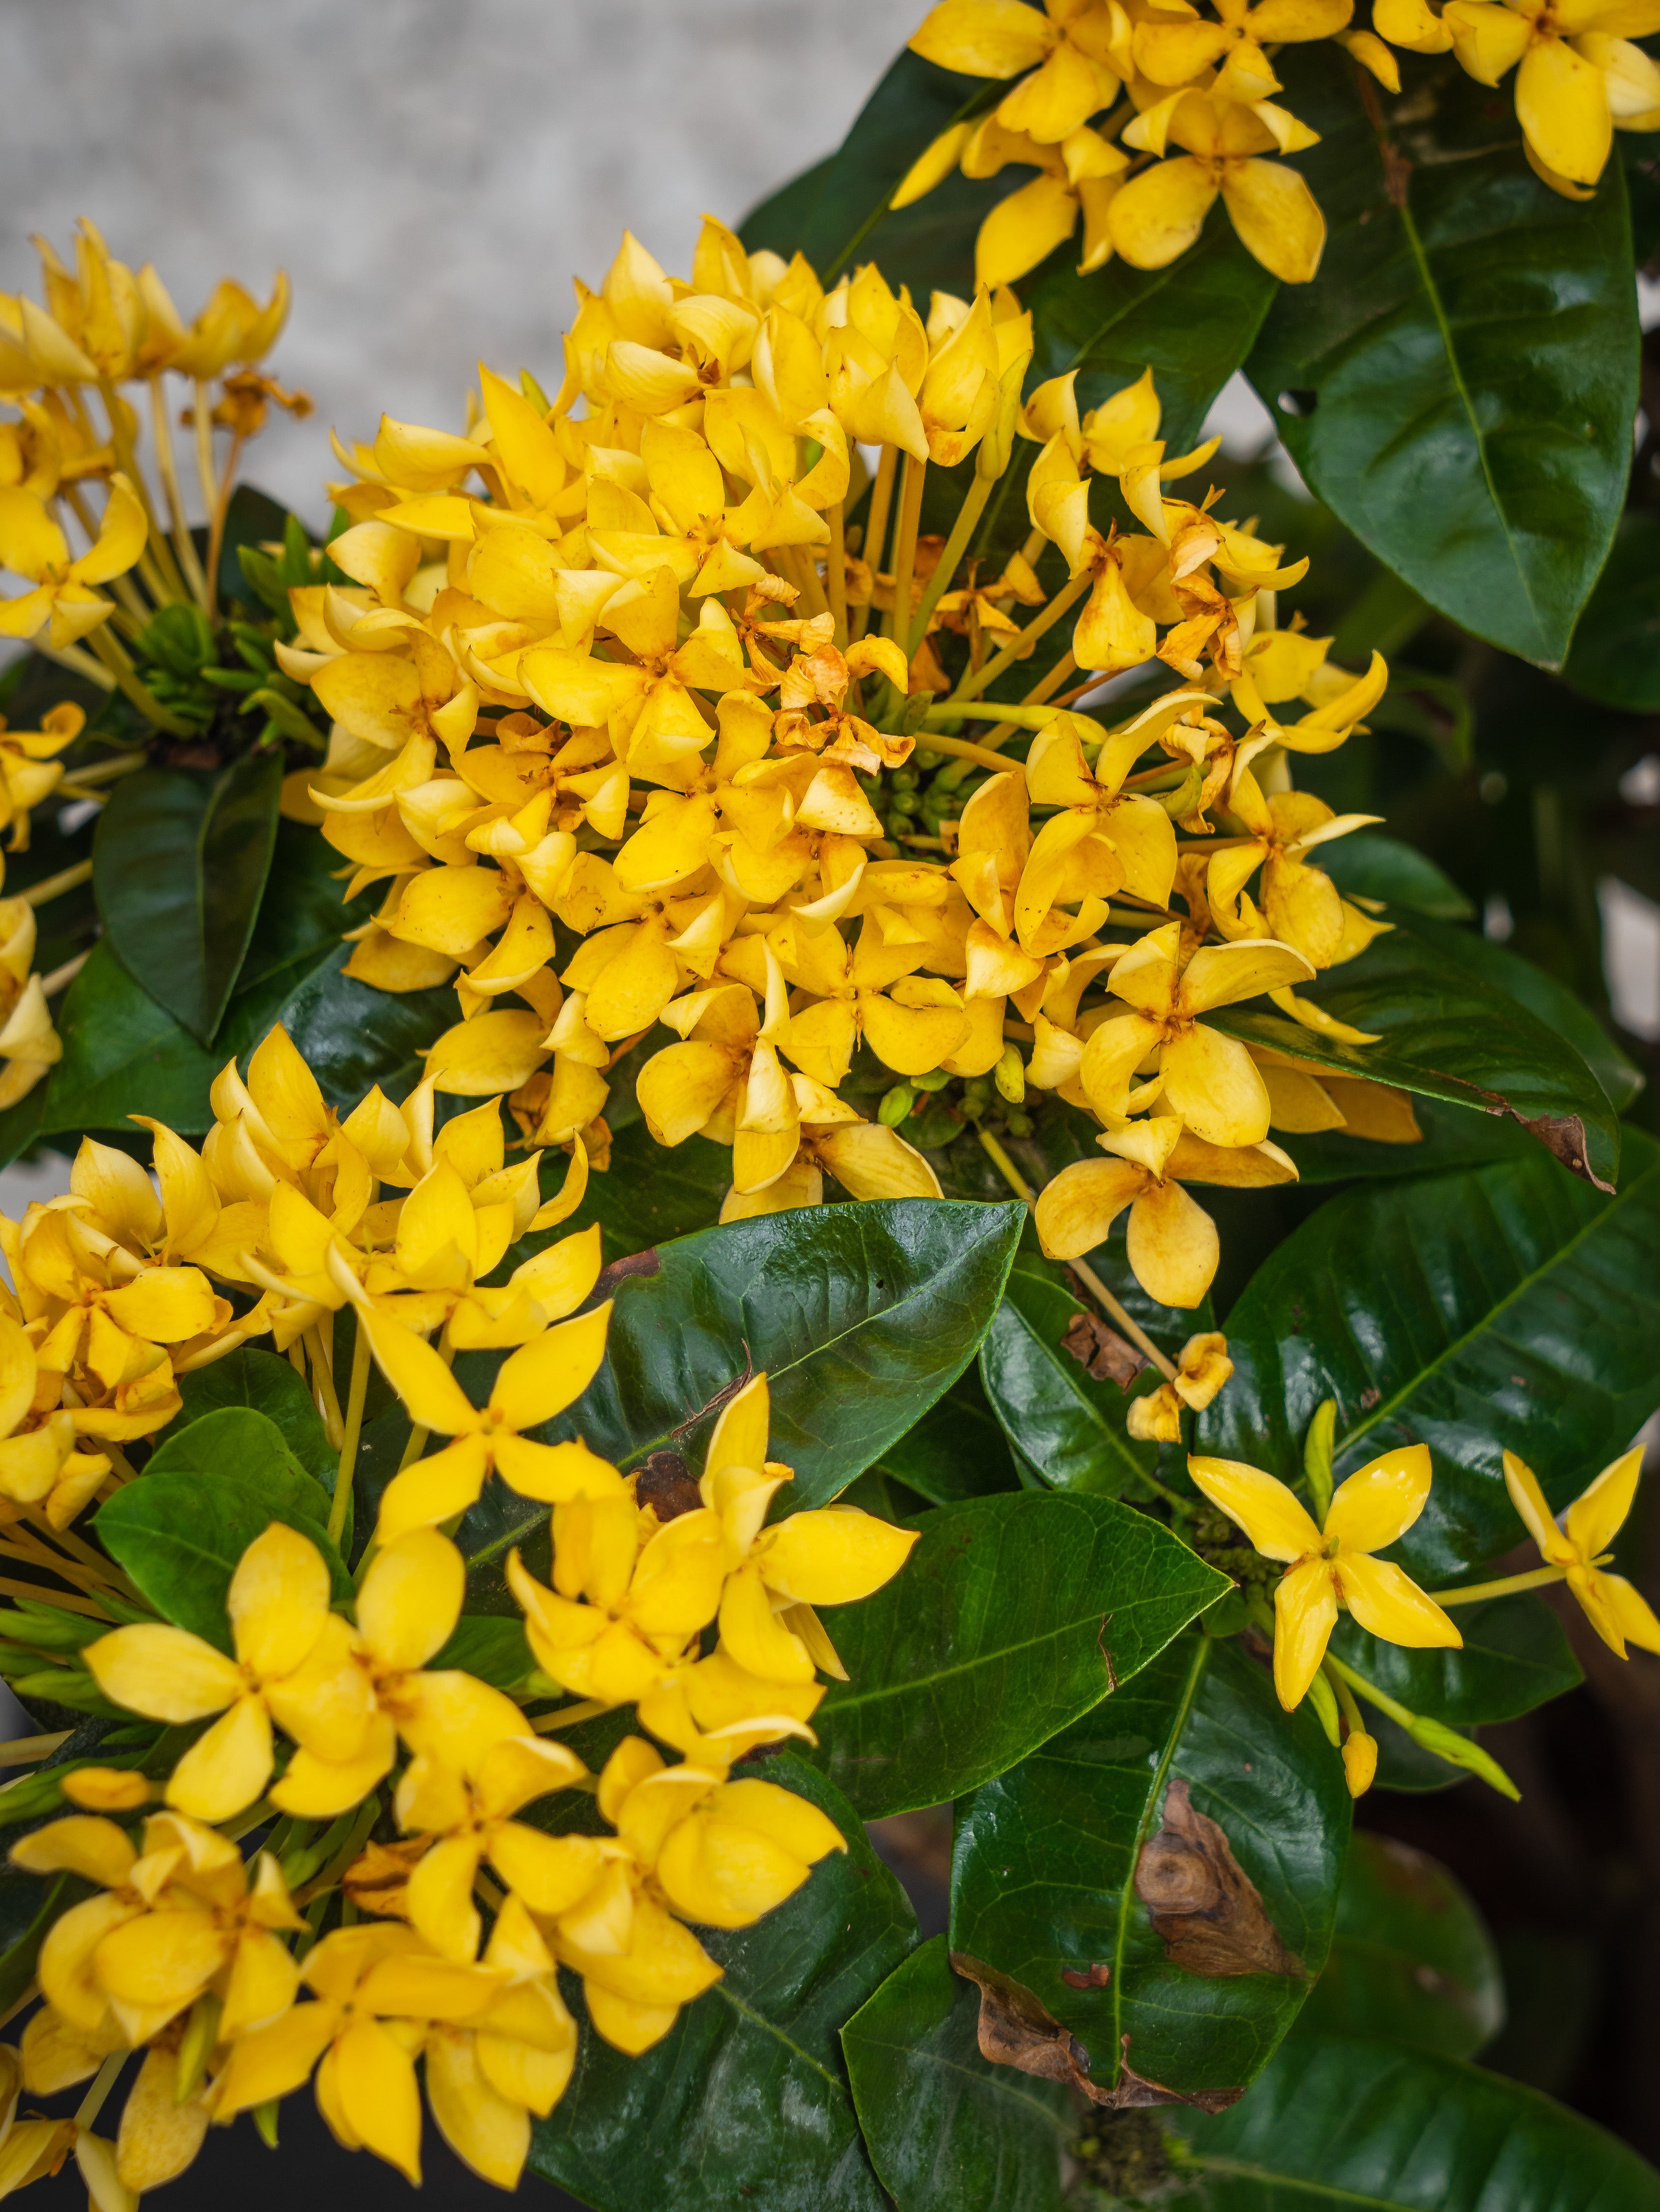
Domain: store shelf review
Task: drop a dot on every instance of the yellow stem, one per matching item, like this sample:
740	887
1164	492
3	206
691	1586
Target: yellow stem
836	570
78	664
905	552
418	1436
976	681
38	1594
204	469
882	498
20	2003
960	749
1473	1592
93	2103
1132	1328
24	1750
122	670
155	563
328	1403
568	1715
50	887
167	467
216	534
35	1554
357	1390
104	771
60	978
955	546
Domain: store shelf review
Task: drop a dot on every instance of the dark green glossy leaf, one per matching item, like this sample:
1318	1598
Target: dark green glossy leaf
1515	1658
1070	1427
1458	382
860	1315
943	2125
490	1646
1192	324
270	1386
253	519
1451	1138
1617	648
957	1451
1373	865
1013	1616
179	862
1411	1958
180	1530
1509	1306
1446	1032
838	214
1043	1875
746	2097
1345	2123
28	1905
651	1194
124	1054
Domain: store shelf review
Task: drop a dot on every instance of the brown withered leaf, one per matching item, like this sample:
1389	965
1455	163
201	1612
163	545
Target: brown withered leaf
666	1485
1103	1354
631	1263
1017	2029
379	1882
1201	1901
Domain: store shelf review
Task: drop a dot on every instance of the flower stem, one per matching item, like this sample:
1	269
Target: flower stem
356	1392
51	887
905	548
960	751
183	544
1133	1329
882	498
955	546
1473	1592
974	682
327	1400
93	2103
835	575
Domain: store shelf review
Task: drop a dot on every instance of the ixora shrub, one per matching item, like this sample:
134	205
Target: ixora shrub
821	892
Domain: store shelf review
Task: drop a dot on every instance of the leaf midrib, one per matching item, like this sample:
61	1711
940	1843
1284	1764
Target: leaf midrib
1155	1785
1387	1406
1246	2172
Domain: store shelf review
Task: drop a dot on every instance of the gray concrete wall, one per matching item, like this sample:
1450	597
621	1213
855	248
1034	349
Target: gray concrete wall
431	173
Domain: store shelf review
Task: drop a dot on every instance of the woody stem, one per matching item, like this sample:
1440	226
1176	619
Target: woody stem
955	546
1133	1329
356	1392
976	681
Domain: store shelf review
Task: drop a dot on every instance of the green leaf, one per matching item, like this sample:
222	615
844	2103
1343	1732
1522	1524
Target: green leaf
746	2097
957	1451
270	1386
1013	1616
1510	1306
1617	648
1458	382
1369	865
651	1193
253	519
1070	1427
860	1315
178	864
181	1527
1350	2123
1446	1032
124	1054
491	1647
1411	1958
28	1906
1044	1873
943	2125
1515	1658
1192	324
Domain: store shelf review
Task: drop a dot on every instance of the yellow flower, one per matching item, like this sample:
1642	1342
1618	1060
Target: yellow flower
467	1804
1301	905
30	765
39	1462
1176	52
1158	213
1101	841
1201	1372
1334	1566
1580	76
1578	1543
1071	50
378	1990
287	1644
1173	1248
538	1381
1207	1079
33	546
179	1919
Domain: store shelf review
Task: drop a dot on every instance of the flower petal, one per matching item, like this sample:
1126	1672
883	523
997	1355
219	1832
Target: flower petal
1274	1518
1305	1614
1380	1502
1387	1603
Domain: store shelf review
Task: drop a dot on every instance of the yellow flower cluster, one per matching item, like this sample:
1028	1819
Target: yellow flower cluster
607	666
185	1952
1137	115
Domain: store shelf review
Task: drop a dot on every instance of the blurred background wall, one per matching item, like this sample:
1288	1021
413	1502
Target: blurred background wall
430	173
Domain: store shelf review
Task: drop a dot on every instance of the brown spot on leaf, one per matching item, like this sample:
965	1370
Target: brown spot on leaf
1564	1134
631	1263
1093	1976
1369	1397
1102	1353
1201	1901
665	1484
1017	2029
